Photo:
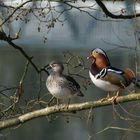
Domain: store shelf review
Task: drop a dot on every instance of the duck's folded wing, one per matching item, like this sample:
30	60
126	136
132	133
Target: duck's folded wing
73	85
72	82
115	78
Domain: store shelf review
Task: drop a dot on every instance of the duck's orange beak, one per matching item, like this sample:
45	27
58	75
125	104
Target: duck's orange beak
92	58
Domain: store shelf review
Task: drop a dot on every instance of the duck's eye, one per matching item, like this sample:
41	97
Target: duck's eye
54	65
95	52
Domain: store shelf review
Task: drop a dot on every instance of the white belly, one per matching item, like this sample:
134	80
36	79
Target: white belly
104	85
58	92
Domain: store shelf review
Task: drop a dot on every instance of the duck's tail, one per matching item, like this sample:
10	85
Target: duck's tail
131	78
136	82
79	93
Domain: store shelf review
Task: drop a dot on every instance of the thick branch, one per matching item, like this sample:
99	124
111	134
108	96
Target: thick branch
64	108
108	13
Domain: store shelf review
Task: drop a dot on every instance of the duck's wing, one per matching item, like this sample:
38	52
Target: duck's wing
73	85
114	76
72	81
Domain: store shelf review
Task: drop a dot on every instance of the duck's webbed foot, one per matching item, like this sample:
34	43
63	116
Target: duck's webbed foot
113	99
106	98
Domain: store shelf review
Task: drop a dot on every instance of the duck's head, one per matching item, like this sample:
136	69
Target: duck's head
56	66
99	57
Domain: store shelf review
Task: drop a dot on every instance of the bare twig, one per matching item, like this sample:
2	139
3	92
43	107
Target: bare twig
108	13
119	128
18	92
14	12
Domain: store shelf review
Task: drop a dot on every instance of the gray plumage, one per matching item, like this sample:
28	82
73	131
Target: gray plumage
59	85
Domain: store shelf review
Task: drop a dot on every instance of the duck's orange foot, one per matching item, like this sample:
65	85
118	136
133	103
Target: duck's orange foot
105	99
113	99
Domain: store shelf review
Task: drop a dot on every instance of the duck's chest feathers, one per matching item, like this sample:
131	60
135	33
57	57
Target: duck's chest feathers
104	85
56	86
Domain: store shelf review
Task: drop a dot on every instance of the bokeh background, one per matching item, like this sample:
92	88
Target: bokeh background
79	35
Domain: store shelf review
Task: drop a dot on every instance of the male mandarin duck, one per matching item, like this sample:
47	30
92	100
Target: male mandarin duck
60	85
106	77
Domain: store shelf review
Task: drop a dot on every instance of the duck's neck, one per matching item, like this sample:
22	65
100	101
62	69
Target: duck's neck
94	69
56	73
102	62
97	67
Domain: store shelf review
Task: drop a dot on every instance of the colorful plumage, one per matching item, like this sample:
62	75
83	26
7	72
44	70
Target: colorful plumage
106	77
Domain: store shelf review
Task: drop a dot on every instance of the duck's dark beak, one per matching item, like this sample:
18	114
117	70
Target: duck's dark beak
47	67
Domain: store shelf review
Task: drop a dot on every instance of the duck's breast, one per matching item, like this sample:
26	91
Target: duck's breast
104	85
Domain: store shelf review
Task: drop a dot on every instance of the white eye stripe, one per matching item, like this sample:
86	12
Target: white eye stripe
54	65
99	51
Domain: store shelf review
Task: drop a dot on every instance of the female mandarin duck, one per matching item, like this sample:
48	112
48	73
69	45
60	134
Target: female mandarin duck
60	85
106	77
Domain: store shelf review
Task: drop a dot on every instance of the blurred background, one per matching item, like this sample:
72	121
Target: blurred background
79	34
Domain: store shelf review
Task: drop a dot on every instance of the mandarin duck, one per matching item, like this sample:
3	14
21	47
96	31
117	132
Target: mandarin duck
106	77
61	86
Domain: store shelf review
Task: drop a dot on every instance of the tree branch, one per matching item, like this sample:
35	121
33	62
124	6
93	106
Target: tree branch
23	53
9	40
64	108
108	13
